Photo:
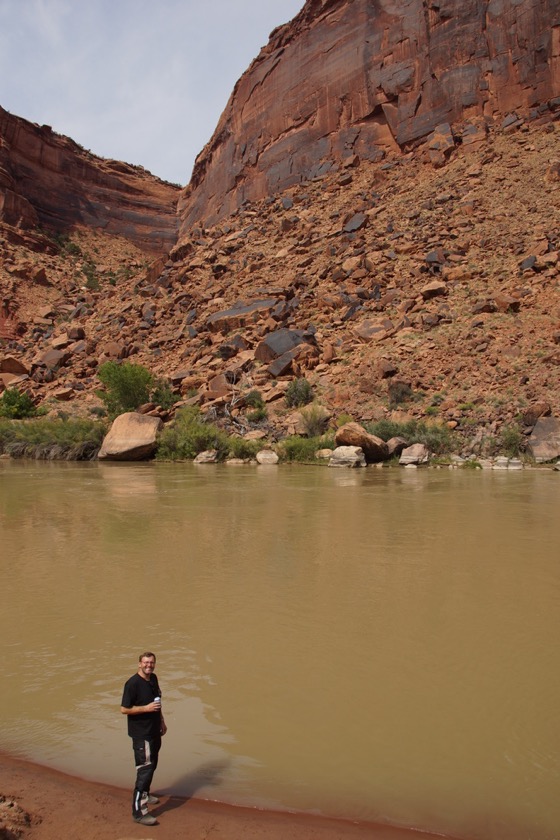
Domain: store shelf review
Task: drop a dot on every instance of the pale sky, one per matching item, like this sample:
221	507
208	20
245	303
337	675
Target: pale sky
143	81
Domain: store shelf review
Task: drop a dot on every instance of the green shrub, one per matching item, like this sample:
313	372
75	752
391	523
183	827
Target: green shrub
257	415
127	386
188	435
439	439
295	448
299	392
16	405
315	420
162	395
92	280
399	393
245	449
512	441
254	399
66	245
471	465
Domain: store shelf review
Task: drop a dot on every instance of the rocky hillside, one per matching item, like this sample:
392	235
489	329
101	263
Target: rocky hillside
387	285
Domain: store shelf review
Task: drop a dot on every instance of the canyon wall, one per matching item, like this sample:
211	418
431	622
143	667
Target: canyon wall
49	181
368	77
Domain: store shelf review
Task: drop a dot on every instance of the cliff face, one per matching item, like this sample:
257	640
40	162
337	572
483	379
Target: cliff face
368	77
48	180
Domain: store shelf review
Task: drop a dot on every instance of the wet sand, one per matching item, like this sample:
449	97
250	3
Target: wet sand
44	804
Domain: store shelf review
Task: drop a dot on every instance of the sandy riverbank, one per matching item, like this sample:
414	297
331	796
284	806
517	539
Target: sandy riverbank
37	803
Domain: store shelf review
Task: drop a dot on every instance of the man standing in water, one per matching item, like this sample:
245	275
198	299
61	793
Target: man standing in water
141	702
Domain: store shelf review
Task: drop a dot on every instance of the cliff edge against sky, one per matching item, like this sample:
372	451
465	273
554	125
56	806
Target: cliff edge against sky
370	77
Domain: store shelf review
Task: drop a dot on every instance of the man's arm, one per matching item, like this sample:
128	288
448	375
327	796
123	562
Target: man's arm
139	710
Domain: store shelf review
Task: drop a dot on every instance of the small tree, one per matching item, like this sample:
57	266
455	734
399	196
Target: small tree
16	405
127	386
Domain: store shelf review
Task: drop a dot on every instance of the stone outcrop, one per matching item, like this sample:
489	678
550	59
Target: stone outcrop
352	434
267	456
416	454
357	79
132	437
48	180
347	456
544	441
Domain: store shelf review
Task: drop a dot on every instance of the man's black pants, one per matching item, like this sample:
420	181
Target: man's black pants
146	754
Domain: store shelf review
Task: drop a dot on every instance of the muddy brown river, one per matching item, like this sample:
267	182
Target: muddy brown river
380	644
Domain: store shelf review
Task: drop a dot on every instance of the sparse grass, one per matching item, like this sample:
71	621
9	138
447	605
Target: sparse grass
315	420
303	450
70	440
399	393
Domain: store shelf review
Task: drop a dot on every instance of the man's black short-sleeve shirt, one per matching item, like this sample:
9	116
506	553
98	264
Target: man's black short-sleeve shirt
139	692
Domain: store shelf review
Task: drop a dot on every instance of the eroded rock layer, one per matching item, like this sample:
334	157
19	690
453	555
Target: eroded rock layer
367	77
48	180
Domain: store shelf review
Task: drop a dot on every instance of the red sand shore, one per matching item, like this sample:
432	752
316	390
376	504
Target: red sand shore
37	803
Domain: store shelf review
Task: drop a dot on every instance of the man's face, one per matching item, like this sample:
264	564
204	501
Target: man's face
147	665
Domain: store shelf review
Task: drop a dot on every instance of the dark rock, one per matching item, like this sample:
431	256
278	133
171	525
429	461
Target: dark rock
357	222
9	364
277	343
240	315
528	263
538	409
544	442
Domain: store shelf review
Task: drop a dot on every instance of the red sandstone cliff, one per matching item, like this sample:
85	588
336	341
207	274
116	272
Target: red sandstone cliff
366	77
48	180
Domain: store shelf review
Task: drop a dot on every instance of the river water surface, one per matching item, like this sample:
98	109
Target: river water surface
379	644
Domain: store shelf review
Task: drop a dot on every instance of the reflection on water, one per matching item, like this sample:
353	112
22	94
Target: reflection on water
376	644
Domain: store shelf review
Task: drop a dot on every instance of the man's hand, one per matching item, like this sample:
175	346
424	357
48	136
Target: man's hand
163	729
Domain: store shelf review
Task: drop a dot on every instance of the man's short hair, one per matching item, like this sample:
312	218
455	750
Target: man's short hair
146	655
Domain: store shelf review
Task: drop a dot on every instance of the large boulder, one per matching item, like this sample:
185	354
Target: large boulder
347	456
267	456
544	441
416	454
352	434
132	437
281	341
9	364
